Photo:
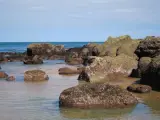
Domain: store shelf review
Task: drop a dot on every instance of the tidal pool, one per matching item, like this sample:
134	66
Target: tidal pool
21	100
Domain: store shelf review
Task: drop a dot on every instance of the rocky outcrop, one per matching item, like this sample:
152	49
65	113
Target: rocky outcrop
148	52
149	47
68	71
33	60
151	76
45	49
119	45
35	76
96	96
102	66
138	88
11	56
3	74
112	47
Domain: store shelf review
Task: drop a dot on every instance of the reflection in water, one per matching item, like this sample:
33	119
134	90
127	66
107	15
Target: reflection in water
21	100
94	113
152	100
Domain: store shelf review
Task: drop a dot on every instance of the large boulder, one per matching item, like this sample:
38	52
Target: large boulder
67	71
33	60
149	47
45	49
3	74
96	96
143	64
111	45
151	76
129	49
102	66
35	75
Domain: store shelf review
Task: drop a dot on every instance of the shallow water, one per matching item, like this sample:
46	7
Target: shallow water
21	100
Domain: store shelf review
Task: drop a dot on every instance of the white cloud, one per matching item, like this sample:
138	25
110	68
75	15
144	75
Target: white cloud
129	10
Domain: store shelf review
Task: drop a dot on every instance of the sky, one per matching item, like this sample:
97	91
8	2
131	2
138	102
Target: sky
77	20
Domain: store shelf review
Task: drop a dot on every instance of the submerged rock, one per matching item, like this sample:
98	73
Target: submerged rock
3	74
67	70
96	96
138	88
35	75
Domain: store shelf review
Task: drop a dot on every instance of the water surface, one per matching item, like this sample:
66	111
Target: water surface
21	100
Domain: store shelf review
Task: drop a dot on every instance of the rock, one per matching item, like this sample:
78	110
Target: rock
33	60
35	75
111	45
71	51
143	64
45	49
88	60
85	52
149	47
11	78
74	61
3	74
102	66
67	70
96	96
29	52
151	76
128	49
91	49
84	76
138	88
1	57
111	51
37	60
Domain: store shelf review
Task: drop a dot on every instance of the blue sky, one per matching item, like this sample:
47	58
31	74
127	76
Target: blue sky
77	20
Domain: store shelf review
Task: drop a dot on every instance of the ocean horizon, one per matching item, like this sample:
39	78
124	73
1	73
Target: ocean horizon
21	46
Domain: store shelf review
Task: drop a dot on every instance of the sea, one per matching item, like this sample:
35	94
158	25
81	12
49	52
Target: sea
20	100
21	46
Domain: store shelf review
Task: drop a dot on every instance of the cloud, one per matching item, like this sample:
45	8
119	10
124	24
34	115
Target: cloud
106	16
129	10
38	8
